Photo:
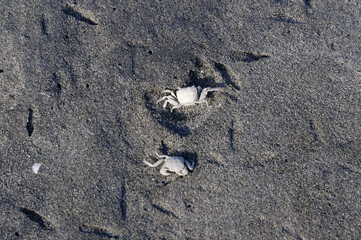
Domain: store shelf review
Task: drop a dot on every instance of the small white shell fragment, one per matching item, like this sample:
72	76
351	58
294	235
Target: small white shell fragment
36	167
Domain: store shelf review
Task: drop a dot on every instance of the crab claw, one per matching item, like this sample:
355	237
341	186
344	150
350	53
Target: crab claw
190	166
205	91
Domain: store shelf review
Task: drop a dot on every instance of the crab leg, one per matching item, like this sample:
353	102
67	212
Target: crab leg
160	156
171	92
153	164
171	101
162	98
202	101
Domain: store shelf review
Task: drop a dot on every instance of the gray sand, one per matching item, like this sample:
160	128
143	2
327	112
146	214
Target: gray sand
277	151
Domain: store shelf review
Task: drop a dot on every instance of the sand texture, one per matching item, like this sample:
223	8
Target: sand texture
277	151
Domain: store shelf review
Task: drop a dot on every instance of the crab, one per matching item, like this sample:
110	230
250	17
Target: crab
186	96
172	164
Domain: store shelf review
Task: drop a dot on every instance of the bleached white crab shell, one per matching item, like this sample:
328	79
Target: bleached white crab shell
175	164
187	96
